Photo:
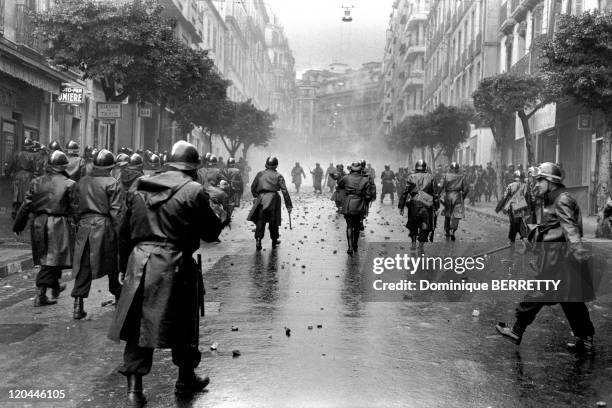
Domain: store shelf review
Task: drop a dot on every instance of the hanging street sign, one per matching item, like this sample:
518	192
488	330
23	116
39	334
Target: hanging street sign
108	110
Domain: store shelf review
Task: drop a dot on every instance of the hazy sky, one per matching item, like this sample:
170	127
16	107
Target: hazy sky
318	36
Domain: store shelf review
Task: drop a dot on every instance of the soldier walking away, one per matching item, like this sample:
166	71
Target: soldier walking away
121	162
371	171
50	200
131	173
167	214
419	197
234	177
357	188
490	177
338	196
267	205
95	254
76	164
317	178
329	179
22	169
210	174
296	176
517	200
454	191
388	183
560	255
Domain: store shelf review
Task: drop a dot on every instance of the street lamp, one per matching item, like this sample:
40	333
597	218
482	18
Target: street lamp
347	14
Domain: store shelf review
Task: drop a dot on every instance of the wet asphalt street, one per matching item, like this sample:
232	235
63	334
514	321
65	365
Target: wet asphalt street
341	350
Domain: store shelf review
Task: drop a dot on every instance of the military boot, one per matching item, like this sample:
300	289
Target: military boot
511	334
275	243
41	298
79	310
413	244
258	244
452	234
135	396
421	247
581	345
188	382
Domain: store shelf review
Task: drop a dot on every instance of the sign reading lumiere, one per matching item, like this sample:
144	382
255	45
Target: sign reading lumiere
71	94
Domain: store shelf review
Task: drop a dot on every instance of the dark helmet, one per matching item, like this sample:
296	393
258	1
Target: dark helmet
136	160
271	162
58	158
355	167
213	159
551	172
93	153
72	145
122	159
387	167
28	143
184	156
87	151
154	159
420	165
207	155
454	166
104	159
518	174
54	145
231	161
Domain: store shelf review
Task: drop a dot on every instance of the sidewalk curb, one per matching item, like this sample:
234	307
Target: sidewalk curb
16	266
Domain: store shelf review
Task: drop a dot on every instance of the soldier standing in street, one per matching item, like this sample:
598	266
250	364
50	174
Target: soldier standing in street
388	183
560	255
517	199
75	163
50	200
167	215
267	205
454	191
296	176
233	176
210	174
419	196
338	196
357	196
329	179
22	169
99	204
317	178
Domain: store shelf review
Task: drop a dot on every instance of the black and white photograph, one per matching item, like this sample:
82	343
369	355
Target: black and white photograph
305	203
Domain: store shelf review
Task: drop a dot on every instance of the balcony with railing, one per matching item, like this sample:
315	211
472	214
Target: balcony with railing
24	29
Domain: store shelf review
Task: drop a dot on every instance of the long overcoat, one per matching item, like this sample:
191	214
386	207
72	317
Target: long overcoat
50	204
267	205
454	191
23	168
167	215
99	204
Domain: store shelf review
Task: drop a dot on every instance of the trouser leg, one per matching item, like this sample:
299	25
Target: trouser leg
526	313
48	276
454	223
577	315
136	360
274	235
82	281
260	228
186	356
447	224
511	229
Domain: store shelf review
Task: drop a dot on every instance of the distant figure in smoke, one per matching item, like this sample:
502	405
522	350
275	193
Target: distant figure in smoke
388	183
317	178
329	177
296	176
455	189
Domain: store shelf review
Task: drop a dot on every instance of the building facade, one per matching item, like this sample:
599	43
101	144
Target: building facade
337	110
